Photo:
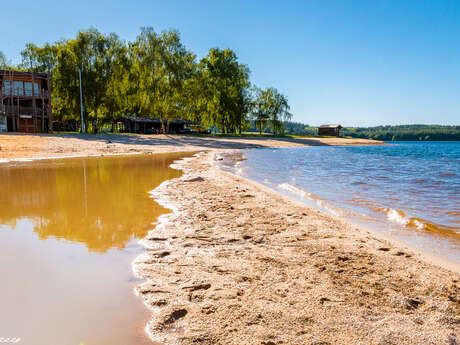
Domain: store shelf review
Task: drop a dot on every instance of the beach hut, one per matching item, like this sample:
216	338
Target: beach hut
330	130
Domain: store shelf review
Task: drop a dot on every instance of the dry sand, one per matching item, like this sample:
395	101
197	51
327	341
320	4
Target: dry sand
20	146
237	263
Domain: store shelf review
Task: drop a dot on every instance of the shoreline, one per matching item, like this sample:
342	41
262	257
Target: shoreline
200	288
432	258
385	236
232	263
25	147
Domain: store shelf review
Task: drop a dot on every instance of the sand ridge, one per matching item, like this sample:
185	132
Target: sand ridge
236	264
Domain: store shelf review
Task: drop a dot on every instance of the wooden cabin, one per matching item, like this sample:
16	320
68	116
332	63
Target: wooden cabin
147	125
333	130
25	102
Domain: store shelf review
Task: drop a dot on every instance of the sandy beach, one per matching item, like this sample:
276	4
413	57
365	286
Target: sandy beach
237	263
15	146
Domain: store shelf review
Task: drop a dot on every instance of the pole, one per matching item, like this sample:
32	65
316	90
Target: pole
34	102
49	113
81	103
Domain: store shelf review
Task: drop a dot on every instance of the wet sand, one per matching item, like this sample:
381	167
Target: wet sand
14	146
237	263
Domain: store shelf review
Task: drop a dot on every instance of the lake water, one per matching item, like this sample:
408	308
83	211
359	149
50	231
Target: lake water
69	231
411	189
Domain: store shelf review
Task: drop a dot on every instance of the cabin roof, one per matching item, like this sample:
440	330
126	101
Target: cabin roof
330	126
4	72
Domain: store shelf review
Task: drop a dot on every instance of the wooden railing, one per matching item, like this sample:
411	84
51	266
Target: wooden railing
22	110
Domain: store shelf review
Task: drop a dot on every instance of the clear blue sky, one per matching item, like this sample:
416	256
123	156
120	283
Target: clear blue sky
350	62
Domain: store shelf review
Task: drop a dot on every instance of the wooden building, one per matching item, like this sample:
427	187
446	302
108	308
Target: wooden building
146	125
25	102
334	130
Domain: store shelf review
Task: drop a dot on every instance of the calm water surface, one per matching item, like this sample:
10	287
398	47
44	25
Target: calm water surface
68	234
409	188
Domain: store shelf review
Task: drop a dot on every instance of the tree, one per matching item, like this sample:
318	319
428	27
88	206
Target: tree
40	59
114	104
196	96
227	83
161	65
271	107
259	113
96	56
4	64
154	76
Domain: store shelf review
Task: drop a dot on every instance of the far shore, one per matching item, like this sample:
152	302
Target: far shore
237	263
14	146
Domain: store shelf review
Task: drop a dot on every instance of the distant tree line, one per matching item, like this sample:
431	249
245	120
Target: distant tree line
154	76
287	128
405	132
297	128
387	133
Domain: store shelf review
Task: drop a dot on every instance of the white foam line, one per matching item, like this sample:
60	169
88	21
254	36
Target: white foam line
158	194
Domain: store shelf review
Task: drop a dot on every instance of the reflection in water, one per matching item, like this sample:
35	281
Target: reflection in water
100	202
68	234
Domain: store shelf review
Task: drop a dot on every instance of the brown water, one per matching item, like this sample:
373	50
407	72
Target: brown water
68	234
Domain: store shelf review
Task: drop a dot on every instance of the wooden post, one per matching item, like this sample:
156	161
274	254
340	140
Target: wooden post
43	114
50	102
12	110
18	116
34	104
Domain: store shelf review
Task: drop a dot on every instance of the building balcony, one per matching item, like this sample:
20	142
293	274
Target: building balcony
13	110
21	93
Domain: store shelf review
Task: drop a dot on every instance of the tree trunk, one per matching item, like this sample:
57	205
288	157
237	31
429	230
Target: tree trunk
162	126
95	122
85	116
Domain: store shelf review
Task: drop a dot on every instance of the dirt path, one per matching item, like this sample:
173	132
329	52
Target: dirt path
239	264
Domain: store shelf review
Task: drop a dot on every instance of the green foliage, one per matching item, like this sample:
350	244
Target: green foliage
405	132
297	128
154	76
4	64
386	133
224	90
160	65
270	107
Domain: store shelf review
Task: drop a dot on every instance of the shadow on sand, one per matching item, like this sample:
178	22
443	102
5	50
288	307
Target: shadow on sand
184	140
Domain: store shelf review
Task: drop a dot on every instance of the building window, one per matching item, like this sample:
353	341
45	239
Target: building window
28	88
37	89
6	87
18	88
